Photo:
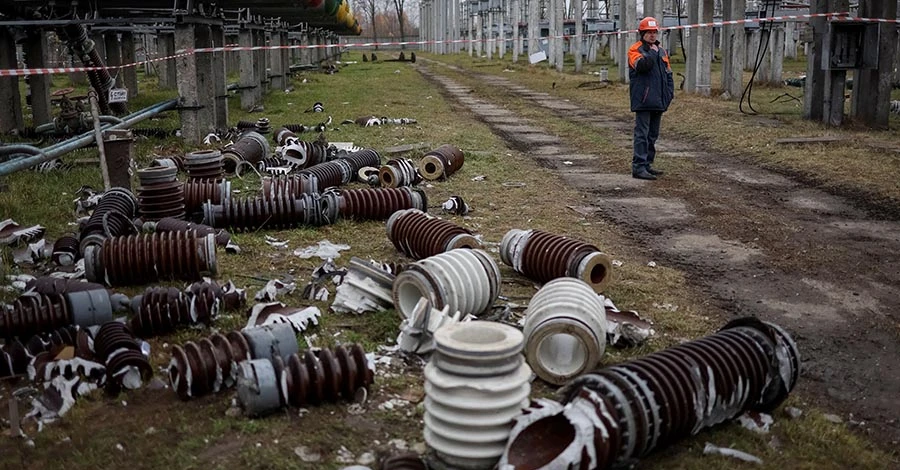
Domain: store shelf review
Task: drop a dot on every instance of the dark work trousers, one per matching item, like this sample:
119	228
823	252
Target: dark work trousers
646	131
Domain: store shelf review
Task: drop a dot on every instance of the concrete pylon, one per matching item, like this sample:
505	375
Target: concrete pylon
823	94
114	57
517	41
628	20
129	74
220	91
196	84
871	97
534	20
247	79
36	52
579	37
559	55
167	70
699	50
10	99
733	49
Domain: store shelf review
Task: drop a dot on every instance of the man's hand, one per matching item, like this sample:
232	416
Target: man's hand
654	47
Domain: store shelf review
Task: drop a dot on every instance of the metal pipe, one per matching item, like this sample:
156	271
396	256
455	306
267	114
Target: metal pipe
85	139
20	148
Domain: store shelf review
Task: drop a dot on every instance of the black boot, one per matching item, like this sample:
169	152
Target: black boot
655	172
642	174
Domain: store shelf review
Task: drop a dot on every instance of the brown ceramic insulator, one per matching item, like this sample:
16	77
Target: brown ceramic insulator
141	259
419	235
277	212
330	174
34	313
124	359
441	162
325	376
404	461
197	192
274	165
295	128
169	224
176	161
15	356
161	200
262	126
111	218
65	250
399	172
250	147
53	285
362	158
161	310
243	125
207	366
204	164
546	256
644	404
111	337
302	154
293	185
375	203
284	134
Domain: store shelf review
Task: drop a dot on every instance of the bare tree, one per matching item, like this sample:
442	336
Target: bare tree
370	10
398	7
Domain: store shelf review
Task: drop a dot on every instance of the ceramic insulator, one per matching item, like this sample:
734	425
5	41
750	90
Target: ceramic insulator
379	203
565	330
399	172
160	194
441	162
419	235
197	192
140	259
111	218
205	164
65	251
277	212
169	224
116	347
543	256
293	185
160	310
250	147
330	174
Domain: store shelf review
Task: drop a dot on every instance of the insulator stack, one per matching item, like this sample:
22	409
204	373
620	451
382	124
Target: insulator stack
301	380
245	125
476	383
379	203
262	126
399	172
330	174
140	259
283	134
405	461
205	164
174	161
441	162
34	313
65	251
642	405
277	212
15	355
293	185
251	147
362	158
111	218
419	235
197	192
169	224
467	281
161	310
211	364
302	154
543	256
161	194
117	348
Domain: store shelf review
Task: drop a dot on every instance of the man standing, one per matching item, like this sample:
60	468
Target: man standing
652	89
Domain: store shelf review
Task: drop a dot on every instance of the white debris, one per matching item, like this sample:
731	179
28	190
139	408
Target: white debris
756	422
273	289
344	456
617	263
299	317
366	458
307	455
792	412
652	264
833	418
274	242
365	288
728	452
399	444
120	447
325	249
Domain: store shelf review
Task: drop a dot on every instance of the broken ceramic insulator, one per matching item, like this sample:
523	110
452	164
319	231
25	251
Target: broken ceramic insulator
283	135
197	192
399	172
174	161
619	413
251	147
53	285
139	259
205	165
417	331
211	364
65	251
300	380
169	224
466	281
245	125
476	383
362	158
375	203
419	235
543	256
160	194
15	355
34	313
160	310
262	126
302	154
365	288
329	174
276	212
565	330
293	185
117	348
112	218
441	162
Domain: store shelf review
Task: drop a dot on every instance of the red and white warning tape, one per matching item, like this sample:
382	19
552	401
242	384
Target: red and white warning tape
235	48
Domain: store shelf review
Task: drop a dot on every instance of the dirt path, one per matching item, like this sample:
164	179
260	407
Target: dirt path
758	243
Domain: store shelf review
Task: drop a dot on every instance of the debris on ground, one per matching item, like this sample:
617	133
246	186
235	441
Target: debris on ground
711	449
324	249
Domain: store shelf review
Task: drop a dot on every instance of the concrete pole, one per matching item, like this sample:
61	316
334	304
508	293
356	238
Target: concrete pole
551	31
579	37
470	24
490	35
259	64
753	43
454	26
195	82
129	74
167	72
501	30
10	99
247	75
628	20
220	92
534	22
36	57
276	62
305	51
823	95
517	41
776	55
733	49
790	40
114	57
871	96
99	44
697	69
654	8
560	31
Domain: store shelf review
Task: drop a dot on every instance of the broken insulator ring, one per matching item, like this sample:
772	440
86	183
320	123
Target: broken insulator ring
250	147
207	366
116	199
543	256
420	235
399	172
441	162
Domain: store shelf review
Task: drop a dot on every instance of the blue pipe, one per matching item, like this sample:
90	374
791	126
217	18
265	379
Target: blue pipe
66	146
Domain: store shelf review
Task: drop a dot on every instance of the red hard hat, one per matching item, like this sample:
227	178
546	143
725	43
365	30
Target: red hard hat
648	24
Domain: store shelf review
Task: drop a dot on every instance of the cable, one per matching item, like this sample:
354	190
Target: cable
760	55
